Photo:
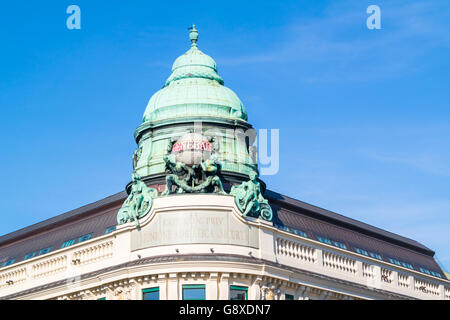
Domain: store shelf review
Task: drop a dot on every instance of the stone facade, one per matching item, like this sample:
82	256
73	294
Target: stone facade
220	251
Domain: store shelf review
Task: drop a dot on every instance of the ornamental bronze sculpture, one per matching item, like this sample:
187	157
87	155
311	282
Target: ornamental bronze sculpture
200	178
136	156
138	203
180	176
249	199
192	166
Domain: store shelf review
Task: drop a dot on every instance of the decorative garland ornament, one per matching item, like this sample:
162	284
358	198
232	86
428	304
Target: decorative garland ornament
138	203
249	199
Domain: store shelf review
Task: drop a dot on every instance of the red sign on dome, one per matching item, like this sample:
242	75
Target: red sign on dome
191	145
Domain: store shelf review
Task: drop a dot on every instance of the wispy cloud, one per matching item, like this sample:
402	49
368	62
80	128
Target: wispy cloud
436	164
337	46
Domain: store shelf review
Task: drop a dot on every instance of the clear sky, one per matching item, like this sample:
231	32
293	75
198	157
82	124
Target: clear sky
364	115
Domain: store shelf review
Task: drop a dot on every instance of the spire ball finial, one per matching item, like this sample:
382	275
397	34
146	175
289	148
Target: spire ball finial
193	35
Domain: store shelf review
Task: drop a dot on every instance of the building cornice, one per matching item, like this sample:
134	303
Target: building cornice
205	258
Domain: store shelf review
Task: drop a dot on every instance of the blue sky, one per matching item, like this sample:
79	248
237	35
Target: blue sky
364	115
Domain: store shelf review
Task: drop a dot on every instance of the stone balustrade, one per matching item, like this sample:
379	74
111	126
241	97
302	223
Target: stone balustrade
368	271
426	287
387	275
47	267
403	280
295	250
13	277
53	266
93	253
374	274
339	262
291	250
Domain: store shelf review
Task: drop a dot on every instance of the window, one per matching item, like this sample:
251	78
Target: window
284	228
425	271
150	294
110	229
194	292
288	297
368	253
340	245
431	273
30	255
375	255
85	237
238	293
334	243
299	233
80	239
324	240
436	274
395	261
68	243
407	265
292	230
9	262
46	250
361	251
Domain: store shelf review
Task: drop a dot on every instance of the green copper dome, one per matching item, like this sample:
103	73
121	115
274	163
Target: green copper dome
194	90
193	100
194	64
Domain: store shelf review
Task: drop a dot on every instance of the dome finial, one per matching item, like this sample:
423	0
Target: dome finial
193	35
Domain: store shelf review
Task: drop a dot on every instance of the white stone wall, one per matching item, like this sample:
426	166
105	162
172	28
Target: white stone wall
291	267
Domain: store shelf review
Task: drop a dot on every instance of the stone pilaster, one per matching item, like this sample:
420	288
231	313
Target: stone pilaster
224	290
172	287
212	286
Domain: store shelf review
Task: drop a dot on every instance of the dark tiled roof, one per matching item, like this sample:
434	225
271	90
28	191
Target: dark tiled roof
95	218
316	222
346	222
